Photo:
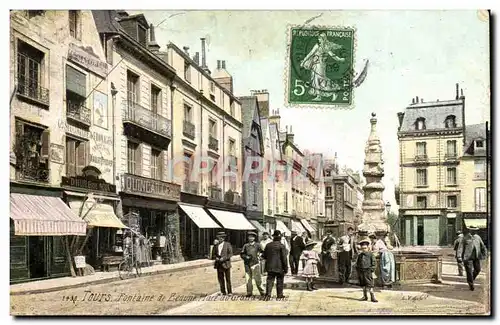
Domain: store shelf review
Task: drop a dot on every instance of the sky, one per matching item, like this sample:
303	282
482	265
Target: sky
411	53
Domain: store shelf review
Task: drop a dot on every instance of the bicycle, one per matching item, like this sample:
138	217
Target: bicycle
129	268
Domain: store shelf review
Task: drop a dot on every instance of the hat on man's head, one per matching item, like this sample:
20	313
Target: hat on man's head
364	241
473	228
310	243
277	233
251	233
221	234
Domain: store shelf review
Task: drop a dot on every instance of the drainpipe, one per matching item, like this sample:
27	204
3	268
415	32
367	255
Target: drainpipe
201	137
113	109
223	154
172	92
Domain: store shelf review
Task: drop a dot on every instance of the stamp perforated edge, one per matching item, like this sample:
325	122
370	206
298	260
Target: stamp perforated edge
286	73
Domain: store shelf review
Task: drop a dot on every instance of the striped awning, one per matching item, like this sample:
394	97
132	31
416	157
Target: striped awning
96	214
232	220
199	216
307	225
259	227
282	227
297	226
475	223
37	215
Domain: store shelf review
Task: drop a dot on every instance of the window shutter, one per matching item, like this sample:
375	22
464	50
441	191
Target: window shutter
161	165
44	154
138	160
76	81
80	157
70	157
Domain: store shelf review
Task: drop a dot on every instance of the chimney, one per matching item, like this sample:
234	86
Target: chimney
263	99
456	96
413	101
421	100
416	100
223	77
275	119
462	93
218	64
203	54
196	58
223	64
186	50
153	45
289	136
401	115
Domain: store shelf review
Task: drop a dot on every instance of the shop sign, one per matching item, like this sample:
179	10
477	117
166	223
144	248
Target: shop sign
89	181
80	262
87	59
150	187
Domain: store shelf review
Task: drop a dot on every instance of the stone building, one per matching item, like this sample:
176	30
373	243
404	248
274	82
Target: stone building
269	182
473	180
62	143
430	137
253	160
344	193
331	169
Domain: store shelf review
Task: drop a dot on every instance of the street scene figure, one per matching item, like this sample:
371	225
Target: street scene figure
471	251
346	254
275	255
327	261
296	247
250	254
460	263
222	254
311	260
263	243
365	265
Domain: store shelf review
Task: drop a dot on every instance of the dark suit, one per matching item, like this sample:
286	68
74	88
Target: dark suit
471	251
297	245
276	266
223	266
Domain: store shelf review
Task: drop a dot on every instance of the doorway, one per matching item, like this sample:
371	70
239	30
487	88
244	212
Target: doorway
420	231
37	254
450	230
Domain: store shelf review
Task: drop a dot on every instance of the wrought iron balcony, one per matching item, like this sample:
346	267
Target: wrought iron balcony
147	119
421	158
32	90
191	187
215	193
78	112
34	174
188	129
213	143
232	197
450	156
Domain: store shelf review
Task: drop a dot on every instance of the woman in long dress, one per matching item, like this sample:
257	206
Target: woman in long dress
311	260
320	85
387	262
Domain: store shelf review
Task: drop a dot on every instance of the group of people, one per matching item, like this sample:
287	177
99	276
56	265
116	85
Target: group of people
469	252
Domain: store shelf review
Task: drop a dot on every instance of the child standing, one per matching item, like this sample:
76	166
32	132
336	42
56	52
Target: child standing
365	267
310	258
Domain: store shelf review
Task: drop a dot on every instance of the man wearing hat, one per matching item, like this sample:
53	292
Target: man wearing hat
471	250
222	253
460	264
297	245
275	255
365	266
250	255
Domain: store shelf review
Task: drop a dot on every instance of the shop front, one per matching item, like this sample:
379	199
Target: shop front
155	204
41	227
95	201
235	225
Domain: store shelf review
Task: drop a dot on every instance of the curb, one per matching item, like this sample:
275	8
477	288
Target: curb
114	279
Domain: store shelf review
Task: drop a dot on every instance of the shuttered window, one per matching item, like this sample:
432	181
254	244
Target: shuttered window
76	156
133	158
76	82
156	164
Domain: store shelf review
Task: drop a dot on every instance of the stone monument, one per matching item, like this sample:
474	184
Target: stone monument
374	219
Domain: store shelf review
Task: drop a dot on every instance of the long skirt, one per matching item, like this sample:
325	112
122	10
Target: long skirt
387	268
365	277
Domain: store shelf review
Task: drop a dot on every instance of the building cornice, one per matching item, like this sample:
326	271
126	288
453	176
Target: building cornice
425	133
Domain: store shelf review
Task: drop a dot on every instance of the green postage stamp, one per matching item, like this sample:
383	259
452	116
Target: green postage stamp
320	65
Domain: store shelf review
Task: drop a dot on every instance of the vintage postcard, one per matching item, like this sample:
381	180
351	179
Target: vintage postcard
250	163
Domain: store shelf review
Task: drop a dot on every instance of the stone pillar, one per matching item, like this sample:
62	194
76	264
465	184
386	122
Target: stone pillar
374	219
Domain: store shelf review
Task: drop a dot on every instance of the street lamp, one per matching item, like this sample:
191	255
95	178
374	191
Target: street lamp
388	207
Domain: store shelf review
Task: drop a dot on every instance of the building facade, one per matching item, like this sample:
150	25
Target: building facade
331	170
430	135
269	180
473	180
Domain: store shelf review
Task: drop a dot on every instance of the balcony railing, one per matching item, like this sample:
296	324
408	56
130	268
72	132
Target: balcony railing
215	193
188	129
450	156
421	158
32	90
34	174
191	187
146	118
213	143
76	111
232	197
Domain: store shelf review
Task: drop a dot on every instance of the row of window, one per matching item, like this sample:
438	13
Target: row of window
451	147
451	173
74	21
452	200
449	123
134	160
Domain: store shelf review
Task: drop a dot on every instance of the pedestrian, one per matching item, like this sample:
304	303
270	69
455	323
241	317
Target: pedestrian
387	265
222	253
311	260
305	239
347	249
297	245
365	266
327	264
471	251
275	255
250	254
263	243
460	264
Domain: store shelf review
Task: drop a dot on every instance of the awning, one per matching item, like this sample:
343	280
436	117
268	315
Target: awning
36	215
95	196
232	220
308	226
199	216
258	226
96	214
476	223
297	226
283	228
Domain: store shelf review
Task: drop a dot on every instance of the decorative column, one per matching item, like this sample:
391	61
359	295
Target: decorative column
374	219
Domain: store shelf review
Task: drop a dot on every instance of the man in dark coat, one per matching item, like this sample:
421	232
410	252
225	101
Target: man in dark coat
222	253
347	250
471	251
326	254
250	254
297	245
460	264
276	266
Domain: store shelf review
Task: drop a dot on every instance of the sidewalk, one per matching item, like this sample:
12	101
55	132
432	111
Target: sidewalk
63	283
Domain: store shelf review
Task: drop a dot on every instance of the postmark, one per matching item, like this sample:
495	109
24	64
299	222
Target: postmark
319	67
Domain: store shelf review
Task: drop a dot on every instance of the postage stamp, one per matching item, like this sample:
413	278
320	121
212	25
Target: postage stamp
320	62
